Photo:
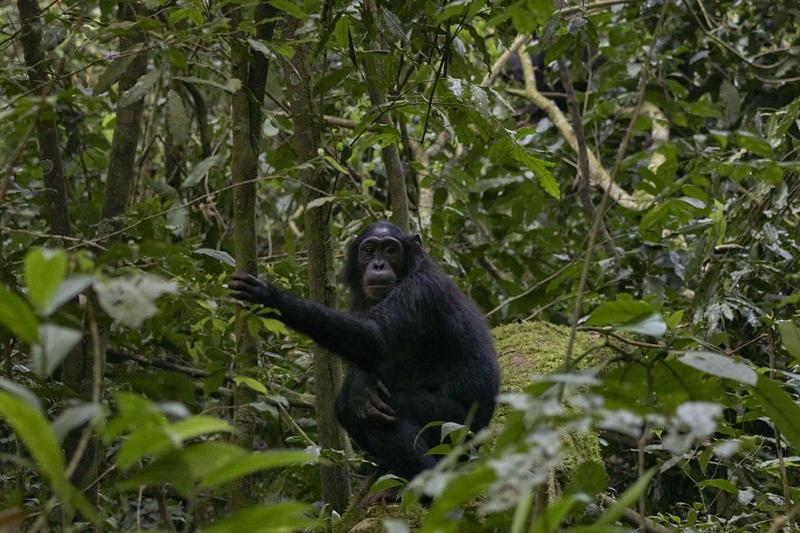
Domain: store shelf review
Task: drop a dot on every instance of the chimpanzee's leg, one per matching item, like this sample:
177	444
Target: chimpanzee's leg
400	448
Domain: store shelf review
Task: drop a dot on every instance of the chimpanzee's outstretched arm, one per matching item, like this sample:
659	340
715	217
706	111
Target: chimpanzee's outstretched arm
354	338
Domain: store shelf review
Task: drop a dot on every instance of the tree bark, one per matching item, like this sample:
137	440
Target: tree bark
251	69
79	366
308	124
373	72
119	179
56	206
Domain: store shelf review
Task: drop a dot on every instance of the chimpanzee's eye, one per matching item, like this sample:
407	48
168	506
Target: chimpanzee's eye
368	248
391	249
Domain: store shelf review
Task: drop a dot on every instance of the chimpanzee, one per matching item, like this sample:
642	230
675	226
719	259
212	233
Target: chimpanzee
419	350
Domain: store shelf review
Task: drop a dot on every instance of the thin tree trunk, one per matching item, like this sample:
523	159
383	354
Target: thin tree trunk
373	71
321	280
251	68
119	180
78	368
56	206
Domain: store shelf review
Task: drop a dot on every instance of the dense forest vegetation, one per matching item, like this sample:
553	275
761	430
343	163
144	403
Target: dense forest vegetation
613	182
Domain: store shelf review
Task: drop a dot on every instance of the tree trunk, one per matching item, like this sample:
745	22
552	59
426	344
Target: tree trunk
251	69
373	72
78	368
56	207
119	180
321	279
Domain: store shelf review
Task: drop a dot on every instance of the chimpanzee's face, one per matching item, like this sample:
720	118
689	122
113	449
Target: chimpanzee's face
380	257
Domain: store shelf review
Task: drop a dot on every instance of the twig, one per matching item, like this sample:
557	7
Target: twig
636	518
576	311
600	176
529	290
23	142
295	399
781	521
584	175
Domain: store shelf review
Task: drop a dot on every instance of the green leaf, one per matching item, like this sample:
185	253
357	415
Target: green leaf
722	484
753	143
386	481
289	7
253	463
621	311
113	72
219	255
720	366
550	520
35	432
153	441
278	518
45	269
140	89
227	87
790	335
17	317
627	499
781	408
200	170
194	426
652	325
177	118
322	200
250	383
55	342
537	166
69	289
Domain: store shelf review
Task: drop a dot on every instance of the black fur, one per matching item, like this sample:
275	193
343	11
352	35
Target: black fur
425	341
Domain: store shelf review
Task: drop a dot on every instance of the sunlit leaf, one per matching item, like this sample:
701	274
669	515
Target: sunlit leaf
40	440
55	342
277	518
17	317
720	366
44	271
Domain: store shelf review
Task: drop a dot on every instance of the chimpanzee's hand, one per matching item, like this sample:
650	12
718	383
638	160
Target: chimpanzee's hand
368	402
251	289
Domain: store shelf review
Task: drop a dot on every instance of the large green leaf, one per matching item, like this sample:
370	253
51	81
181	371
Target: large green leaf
279	517
18	317
254	462
629	315
781	408
790	335
40	440
45	269
69	289
720	366
55	342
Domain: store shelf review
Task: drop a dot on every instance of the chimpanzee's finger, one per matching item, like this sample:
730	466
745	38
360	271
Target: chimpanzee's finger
236	285
378	416
245	296
383	390
245	277
382	406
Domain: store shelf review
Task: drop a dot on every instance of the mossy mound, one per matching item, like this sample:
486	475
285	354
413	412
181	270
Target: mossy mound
370	520
531	349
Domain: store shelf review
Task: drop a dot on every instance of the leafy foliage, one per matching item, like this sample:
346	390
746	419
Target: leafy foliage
690	294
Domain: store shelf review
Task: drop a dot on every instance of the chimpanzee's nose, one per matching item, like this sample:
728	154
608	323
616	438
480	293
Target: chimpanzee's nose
378	264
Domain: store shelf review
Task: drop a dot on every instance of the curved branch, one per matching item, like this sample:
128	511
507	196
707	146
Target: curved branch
599	175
